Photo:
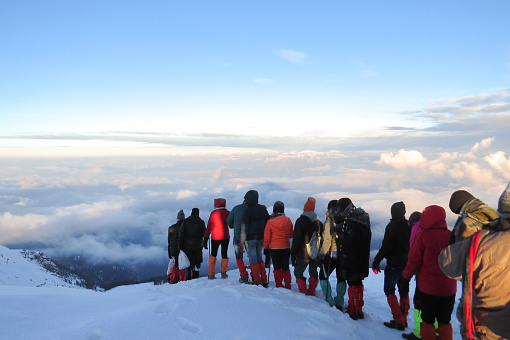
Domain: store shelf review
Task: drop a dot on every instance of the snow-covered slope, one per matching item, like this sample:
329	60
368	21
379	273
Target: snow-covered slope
32	269
197	309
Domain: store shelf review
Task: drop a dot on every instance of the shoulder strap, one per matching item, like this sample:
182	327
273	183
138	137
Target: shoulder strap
473	251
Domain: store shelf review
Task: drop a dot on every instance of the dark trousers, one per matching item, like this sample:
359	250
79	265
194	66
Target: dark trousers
300	268
224	247
280	258
437	307
328	265
391	278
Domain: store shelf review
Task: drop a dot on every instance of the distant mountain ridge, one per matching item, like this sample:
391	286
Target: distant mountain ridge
34	269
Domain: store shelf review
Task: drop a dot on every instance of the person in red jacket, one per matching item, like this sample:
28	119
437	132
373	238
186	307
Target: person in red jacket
438	289
277	237
217	228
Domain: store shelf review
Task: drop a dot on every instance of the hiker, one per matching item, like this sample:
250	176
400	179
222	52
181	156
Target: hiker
474	215
304	227
235	221
395	248
414	224
437	289
352	226
191	238
277	235
217	229
482	262
252	231
175	275
330	261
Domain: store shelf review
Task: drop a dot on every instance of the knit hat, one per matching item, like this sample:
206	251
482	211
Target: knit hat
398	210
180	215
333	204
504	203
458	199
194	211
343	203
414	217
310	204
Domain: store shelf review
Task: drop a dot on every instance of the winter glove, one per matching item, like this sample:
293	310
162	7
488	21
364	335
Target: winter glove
375	267
403	286
205	242
293	260
266	252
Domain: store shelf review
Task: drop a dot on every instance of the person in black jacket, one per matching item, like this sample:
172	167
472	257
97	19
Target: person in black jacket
304	227
173	250
353	248
395	248
252	231
191	239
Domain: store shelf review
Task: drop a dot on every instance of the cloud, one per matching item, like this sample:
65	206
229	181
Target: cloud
363	69
403	159
484	144
294	57
186	194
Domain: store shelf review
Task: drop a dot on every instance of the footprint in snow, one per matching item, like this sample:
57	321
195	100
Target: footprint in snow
188	325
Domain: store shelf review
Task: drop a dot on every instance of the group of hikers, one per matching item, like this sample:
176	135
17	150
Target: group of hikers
475	252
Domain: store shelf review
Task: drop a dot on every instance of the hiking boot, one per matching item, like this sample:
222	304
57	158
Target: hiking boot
265	285
244	280
211	277
410	336
361	315
395	325
224	275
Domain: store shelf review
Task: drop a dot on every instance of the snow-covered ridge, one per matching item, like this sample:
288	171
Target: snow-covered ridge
33	269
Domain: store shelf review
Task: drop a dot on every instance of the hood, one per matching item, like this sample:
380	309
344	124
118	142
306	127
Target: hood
220	203
398	211
251	198
433	217
360	216
311	215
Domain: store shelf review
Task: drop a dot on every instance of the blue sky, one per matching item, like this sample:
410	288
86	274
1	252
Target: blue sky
376	101
289	68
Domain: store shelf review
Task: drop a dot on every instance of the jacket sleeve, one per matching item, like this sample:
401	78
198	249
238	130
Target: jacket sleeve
169	247
230	219
415	258
267	235
182	235
452	260
291	228
209	226
387	244
297	239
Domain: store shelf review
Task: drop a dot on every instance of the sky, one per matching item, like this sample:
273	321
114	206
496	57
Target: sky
114	116
197	309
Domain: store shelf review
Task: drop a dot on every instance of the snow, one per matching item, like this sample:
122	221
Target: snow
196	309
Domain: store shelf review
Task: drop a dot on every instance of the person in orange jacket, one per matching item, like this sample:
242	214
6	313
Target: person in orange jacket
217	228
277	237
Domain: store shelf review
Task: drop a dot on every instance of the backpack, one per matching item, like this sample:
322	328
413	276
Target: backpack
314	245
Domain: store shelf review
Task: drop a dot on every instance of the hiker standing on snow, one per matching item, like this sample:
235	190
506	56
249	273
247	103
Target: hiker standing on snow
191	238
482	262
474	215
235	221
277	237
304	227
438	290
352	225
414	224
217	228
176	275
330	261
252	230
395	248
